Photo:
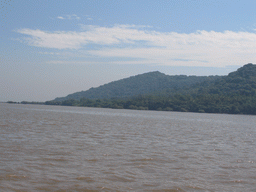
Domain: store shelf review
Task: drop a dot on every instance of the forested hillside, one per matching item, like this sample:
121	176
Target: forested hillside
142	84
234	94
240	82
152	82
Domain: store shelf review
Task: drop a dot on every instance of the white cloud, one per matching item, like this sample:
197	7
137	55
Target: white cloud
69	17
49	53
74	16
202	48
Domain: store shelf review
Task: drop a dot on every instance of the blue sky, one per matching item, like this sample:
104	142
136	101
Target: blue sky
51	48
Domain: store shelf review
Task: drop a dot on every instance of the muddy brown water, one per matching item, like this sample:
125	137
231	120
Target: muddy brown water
57	148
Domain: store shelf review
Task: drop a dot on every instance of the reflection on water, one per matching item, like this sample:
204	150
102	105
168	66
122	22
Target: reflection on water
53	148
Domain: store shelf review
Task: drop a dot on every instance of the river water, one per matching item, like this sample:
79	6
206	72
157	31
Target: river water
57	148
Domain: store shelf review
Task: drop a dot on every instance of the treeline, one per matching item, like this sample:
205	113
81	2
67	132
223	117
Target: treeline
205	103
32	102
26	102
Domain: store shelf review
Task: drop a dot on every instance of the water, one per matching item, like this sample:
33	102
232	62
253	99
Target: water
56	148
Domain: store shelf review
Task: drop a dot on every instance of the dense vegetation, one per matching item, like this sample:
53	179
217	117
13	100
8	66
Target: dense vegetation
209	103
32	102
234	94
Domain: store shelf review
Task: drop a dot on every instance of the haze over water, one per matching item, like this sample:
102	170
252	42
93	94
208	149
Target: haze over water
56	148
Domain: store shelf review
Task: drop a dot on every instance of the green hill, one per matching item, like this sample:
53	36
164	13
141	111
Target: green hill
234	93
240	82
152	82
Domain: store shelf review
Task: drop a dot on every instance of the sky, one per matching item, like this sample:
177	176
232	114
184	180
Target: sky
50	49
